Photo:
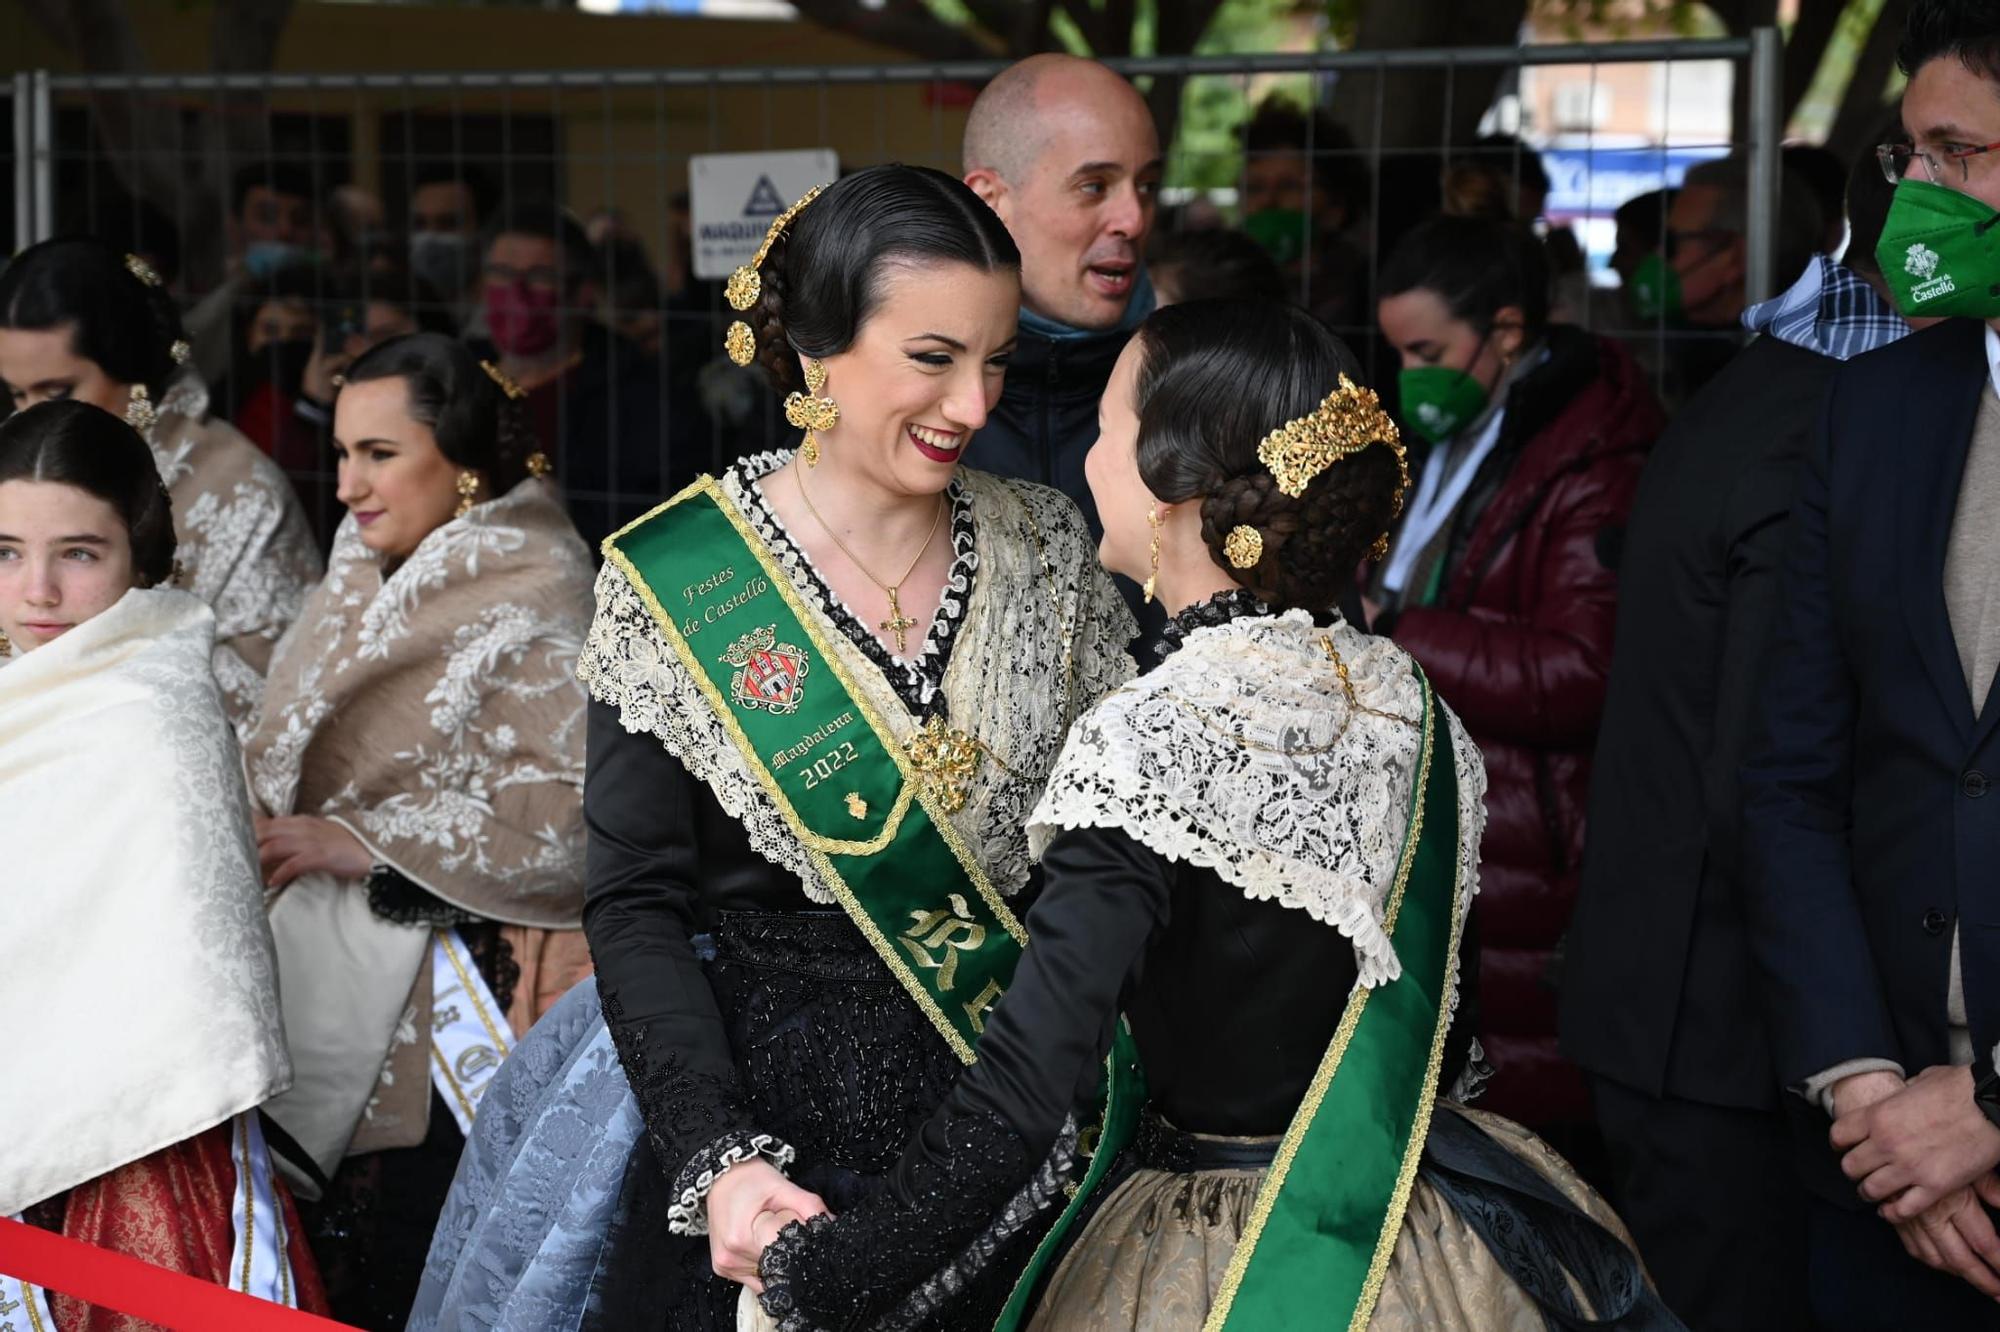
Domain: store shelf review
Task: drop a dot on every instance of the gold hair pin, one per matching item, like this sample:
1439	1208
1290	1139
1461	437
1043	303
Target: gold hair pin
507	385
746	284
142	270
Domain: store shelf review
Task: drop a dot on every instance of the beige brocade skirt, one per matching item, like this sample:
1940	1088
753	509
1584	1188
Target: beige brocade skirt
1152	1258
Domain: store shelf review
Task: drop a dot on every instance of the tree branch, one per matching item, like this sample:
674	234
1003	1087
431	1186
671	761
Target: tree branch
902	25
1805	46
1862	105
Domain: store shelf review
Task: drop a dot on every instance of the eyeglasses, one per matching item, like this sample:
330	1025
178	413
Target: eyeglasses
1712	238
1895	160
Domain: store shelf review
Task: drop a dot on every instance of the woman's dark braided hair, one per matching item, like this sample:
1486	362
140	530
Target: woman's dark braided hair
823	277
477	424
1216	377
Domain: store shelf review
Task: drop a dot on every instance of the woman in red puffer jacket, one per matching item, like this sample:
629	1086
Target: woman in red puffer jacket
1501	581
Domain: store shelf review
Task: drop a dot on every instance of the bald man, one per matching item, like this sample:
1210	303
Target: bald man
1066	153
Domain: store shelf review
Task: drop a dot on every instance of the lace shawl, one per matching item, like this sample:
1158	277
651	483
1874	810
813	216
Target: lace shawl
1242	755
243	543
1039	641
435	714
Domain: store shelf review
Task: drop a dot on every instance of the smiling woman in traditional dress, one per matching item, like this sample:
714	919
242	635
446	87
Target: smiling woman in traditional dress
420	757
1264	851
143	1028
826	690
79	320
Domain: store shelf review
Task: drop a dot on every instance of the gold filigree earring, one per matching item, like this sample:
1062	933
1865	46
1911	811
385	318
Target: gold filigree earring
6	644
810	412
139	412
1157	517
468	492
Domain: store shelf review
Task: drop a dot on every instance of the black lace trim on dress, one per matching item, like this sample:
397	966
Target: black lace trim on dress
918	680
398	900
856	1270
1234	604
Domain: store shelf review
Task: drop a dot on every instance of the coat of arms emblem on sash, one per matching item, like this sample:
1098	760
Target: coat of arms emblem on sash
769	674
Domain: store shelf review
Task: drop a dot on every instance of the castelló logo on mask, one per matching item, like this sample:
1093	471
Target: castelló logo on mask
1429	414
1920	261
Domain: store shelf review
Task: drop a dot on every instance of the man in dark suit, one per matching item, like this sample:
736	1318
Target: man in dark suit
1873	849
1659	997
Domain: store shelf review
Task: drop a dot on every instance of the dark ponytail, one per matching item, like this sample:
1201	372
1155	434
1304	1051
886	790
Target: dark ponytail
75	444
823	278
477	425
1215	378
122	322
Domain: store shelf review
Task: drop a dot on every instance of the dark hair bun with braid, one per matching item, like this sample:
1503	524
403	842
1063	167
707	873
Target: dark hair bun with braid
72	443
124	323
477	424
823	277
1215	378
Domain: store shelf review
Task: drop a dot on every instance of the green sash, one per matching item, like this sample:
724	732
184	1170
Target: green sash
1327	1216
836	773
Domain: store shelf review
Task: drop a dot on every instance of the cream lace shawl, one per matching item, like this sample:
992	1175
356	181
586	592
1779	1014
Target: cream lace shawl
244	545
139	985
435	713
1008	682
1240	754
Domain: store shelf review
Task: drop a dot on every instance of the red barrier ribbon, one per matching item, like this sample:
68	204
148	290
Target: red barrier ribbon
117	1281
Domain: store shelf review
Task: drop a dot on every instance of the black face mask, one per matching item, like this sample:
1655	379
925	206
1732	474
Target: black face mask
282	365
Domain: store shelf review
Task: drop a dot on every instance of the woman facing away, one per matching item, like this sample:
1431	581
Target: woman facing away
1263	852
80	320
143	1029
826	689
419	761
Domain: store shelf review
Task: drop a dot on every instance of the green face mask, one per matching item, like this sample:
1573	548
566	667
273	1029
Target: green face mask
1656	290
1940	253
1281	231
1439	401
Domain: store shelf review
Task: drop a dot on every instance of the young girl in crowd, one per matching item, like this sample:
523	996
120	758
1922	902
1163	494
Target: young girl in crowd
140	981
80	320
419	758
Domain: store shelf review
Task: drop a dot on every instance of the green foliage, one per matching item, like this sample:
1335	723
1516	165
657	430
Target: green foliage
1207	151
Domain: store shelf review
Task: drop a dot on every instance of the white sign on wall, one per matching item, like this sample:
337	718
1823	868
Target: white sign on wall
734	197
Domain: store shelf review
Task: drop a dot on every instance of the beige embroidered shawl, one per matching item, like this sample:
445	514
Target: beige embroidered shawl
245	547
140	987
1043	636
436	715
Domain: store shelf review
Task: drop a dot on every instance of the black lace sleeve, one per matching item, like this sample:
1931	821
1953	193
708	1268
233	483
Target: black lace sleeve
965	1176
640	899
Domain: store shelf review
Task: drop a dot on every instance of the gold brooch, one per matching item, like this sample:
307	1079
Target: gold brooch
856	805
1244	546
1349	420
740	343
946	761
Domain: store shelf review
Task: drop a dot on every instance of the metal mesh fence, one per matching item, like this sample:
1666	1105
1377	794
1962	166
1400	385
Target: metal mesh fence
302	217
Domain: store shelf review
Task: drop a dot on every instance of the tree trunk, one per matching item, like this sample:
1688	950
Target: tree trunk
1425	108
1805	46
1862	107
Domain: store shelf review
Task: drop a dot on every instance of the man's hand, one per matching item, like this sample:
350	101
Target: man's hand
300	844
1861	1090
747	1206
1912	1149
1955	1235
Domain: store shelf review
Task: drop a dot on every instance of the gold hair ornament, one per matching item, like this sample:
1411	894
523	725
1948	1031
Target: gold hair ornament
180	351
506	382
1349	420
746	284
810	412
1243	547
539	464
142	270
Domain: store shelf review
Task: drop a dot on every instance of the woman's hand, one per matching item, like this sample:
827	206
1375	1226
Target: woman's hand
747	1206
299	844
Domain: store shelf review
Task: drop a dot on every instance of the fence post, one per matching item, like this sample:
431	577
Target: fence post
1767	130
24	164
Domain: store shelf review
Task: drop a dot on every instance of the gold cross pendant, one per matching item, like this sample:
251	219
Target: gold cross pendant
898	623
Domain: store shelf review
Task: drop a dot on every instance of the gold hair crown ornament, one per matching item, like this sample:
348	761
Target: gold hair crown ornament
1349	420
506	382
746	284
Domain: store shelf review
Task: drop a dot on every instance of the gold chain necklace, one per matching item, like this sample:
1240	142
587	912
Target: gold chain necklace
898	623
